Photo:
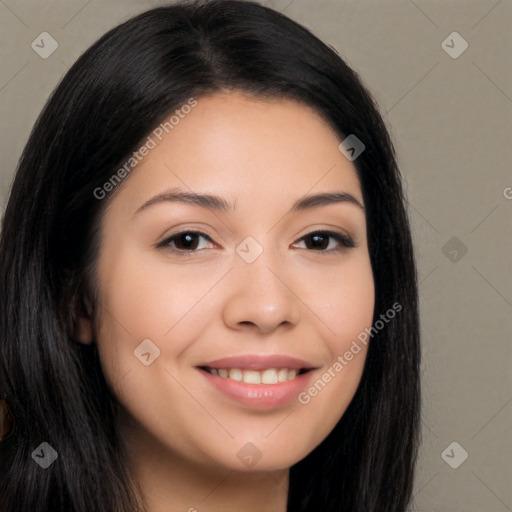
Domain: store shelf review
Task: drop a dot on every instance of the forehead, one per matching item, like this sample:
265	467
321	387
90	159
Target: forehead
245	149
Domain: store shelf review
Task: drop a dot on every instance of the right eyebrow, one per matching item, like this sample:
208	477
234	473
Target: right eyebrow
209	201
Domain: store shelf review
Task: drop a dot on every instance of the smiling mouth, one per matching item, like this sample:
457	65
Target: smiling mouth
267	376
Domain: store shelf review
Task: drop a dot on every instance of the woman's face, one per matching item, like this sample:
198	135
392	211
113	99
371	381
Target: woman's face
261	293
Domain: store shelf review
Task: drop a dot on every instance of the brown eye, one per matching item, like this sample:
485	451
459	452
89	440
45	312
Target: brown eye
321	241
186	241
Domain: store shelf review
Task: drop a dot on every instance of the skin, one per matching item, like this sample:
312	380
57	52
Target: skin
182	434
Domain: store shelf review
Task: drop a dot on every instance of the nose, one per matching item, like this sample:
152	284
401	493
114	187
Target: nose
261	297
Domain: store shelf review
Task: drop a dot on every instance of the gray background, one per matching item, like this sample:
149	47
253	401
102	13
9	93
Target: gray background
450	119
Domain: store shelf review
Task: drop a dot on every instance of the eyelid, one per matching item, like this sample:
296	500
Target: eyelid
164	243
343	239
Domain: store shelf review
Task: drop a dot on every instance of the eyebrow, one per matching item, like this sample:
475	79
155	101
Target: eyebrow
213	202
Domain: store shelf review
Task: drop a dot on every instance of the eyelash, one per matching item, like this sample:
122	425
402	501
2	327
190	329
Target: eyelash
345	242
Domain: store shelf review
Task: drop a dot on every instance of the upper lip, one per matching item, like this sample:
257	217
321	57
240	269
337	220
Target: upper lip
260	362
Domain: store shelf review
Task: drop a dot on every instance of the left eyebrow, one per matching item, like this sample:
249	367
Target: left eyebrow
326	199
213	202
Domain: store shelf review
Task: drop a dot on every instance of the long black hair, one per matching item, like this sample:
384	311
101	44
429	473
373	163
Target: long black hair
117	92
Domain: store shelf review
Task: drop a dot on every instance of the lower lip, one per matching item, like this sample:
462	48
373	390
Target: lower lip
260	396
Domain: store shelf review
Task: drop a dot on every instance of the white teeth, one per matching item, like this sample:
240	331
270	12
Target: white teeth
282	376
269	376
235	374
252	377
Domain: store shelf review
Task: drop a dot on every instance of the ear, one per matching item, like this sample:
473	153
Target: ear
84	332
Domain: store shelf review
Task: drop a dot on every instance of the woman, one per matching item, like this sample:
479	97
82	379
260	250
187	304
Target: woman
209	296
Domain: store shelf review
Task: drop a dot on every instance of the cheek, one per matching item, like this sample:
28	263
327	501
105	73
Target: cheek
339	305
162	303
345	303
143	297
143	301
346	308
